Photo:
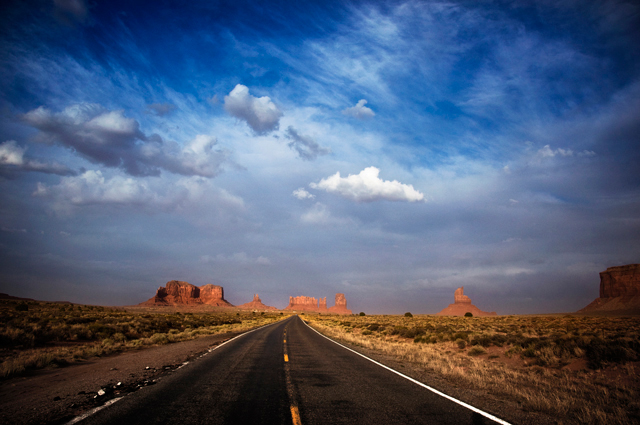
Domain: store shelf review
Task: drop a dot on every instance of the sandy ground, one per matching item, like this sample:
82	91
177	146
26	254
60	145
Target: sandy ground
55	396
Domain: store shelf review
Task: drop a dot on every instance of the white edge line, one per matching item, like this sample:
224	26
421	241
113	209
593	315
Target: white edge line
461	403
110	402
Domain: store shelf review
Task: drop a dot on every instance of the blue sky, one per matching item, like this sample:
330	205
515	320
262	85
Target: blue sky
391	151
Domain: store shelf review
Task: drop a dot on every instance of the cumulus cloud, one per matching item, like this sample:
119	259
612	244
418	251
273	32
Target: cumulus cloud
191	195
92	187
301	193
368	187
306	147
260	113
161	109
359	111
12	158
113	140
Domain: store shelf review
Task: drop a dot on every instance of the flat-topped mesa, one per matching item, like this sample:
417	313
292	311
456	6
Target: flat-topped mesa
311	304
302	303
619	292
176	293
621	281
256	304
462	305
341	305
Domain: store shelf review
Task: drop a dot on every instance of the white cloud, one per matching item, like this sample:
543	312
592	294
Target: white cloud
547	152
359	111
113	140
320	214
260	113
12	158
301	193
368	187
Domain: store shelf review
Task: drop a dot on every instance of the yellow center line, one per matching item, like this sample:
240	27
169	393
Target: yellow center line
285	341
295	415
286	358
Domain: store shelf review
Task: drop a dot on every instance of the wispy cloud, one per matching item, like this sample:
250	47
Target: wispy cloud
306	147
360	111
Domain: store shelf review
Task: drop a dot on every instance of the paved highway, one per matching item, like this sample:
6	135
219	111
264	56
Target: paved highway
284	373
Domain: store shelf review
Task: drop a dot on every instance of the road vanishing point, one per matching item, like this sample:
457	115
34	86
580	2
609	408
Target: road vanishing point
286	373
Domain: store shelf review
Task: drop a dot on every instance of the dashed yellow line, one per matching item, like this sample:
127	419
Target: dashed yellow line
286	358
295	415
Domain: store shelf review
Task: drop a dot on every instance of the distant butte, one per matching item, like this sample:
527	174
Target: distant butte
178	293
256	304
619	292
462	305
314	305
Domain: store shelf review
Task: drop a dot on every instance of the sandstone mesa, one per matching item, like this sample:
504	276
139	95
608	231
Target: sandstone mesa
178	293
462	305
314	305
619	292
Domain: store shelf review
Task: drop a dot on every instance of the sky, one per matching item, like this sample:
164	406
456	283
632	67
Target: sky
392	151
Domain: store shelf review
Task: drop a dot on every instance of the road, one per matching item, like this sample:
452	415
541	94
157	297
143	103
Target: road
284	373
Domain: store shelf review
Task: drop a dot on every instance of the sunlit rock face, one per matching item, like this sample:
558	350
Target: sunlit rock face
256	304
619	292
462	305
176	293
341	305
311	304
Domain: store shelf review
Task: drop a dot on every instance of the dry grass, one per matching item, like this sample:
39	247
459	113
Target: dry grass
35	335
576	369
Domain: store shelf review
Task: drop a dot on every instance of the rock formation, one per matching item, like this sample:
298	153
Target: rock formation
341	305
619	292
302	303
178	293
256	304
462	305
311	304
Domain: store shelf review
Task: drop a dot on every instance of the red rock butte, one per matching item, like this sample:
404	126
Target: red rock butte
314	305
178	293
619	292
256	304
462	305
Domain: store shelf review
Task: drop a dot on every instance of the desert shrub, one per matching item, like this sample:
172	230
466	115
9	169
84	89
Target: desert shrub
460	335
159	338
476	351
362	313
499	340
366	332
468	314
529	352
483	340
22	306
408	314
373	327
462	344
599	353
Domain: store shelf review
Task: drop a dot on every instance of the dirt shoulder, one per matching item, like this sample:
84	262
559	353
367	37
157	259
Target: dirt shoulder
54	396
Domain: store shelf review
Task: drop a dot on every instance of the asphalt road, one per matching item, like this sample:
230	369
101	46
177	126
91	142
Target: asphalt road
284	373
